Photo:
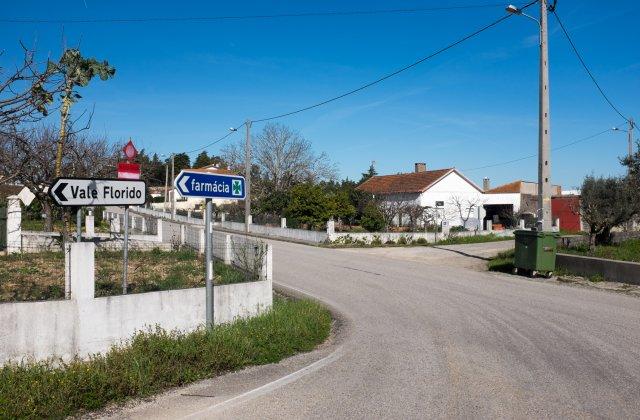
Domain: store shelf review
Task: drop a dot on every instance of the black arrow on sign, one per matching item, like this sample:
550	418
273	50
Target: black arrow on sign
58	191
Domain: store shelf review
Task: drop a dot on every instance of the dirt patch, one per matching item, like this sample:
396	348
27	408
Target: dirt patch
40	276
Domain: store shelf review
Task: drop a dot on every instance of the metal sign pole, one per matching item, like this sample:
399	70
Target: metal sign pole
208	239
79	225
125	248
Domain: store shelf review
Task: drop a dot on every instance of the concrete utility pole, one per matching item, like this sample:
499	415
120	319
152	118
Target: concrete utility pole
630	139
544	126
544	129
173	188
166	186
247	175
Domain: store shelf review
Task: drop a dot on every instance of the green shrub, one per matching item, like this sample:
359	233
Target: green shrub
376	241
372	219
421	241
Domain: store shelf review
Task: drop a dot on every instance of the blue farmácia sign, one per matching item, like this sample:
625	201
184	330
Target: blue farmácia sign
210	185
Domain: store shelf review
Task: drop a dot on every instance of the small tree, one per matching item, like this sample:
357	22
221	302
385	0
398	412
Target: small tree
309	205
464	207
371	172
181	161
415	212
605	204
372	219
25	92
341	205
76	71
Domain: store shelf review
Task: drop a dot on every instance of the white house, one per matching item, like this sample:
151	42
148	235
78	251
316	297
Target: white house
446	190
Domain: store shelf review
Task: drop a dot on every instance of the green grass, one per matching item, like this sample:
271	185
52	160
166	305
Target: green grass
628	250
476	239
157	360
502	262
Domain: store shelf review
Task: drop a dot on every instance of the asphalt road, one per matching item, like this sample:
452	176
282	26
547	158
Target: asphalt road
428	335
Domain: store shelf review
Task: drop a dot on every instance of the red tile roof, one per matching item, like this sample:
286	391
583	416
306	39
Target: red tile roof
414	182
512	187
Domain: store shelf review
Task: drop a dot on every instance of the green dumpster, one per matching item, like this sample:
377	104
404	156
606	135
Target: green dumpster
535	252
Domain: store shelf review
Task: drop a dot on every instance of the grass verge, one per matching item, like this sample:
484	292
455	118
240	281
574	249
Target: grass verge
628	250
503	262
156	360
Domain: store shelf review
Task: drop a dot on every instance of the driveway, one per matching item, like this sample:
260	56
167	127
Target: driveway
426	336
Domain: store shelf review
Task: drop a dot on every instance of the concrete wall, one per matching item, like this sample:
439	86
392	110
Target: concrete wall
367	237
85	325
621	271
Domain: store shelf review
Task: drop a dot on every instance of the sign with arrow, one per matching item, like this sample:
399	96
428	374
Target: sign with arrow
210	185
97	192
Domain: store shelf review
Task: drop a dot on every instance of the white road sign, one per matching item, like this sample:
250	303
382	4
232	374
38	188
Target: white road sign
98	192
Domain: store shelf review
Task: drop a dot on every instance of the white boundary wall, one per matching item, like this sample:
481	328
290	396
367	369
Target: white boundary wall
84	325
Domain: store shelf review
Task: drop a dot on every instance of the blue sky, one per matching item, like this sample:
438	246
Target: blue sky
181	85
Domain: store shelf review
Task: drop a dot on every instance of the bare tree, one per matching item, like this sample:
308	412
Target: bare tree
464	207
25	92
415	212
25	157
283	158
392	210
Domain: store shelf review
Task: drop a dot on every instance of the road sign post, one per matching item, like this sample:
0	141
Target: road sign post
209	185
125	252
209	262
83	192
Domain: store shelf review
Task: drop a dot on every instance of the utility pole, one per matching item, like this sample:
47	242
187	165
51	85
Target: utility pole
166	186
544	129
247	176
630	138
173	188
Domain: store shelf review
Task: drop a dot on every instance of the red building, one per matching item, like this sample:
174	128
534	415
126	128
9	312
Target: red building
567	209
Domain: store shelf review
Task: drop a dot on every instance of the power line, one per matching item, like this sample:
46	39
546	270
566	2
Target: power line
584	65
398	71
231	131
385	77
249	17
535	154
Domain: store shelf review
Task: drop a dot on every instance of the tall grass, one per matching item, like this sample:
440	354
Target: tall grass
156	360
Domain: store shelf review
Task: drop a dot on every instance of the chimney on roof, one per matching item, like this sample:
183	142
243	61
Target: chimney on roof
421	167
486	184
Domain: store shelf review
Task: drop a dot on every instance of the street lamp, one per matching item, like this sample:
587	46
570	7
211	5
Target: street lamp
544	129
629	136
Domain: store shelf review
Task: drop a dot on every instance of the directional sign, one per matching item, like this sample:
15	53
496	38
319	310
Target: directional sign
210	185
97	192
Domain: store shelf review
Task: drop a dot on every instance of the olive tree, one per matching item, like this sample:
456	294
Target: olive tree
607	203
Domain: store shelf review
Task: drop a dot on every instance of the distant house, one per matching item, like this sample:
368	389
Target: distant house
439	188
517	197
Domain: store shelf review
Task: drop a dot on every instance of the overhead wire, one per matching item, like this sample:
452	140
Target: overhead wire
396	72
247	17
583	139
586	68
380	79
232	130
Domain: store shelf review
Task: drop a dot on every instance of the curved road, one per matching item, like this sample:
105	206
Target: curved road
430	336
